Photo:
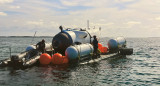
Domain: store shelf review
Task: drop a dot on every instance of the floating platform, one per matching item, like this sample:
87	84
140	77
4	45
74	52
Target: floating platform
101	57
70	46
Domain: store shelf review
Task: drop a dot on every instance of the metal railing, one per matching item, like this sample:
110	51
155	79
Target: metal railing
7	51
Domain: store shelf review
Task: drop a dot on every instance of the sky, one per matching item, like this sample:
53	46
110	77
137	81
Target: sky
128	18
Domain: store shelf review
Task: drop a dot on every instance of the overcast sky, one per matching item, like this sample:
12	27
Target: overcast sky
128	18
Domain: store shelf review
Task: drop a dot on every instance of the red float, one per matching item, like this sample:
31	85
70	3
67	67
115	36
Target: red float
105	50
100	47
45	59
59	59
65	59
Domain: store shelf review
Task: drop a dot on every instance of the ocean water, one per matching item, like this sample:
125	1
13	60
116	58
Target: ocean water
140	69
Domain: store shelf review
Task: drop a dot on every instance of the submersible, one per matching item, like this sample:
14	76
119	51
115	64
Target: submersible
68	37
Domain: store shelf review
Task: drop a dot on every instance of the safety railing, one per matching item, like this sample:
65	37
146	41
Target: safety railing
7	51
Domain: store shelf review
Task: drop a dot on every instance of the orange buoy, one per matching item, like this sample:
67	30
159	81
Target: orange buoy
59	59
45	59
101	49
105	49
65	59
99	45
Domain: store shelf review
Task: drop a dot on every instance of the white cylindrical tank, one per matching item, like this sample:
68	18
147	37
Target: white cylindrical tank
121	42
82	36
71	35
48	47
31	47
78	51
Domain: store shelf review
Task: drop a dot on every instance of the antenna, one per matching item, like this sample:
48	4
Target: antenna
88	24
99	28
99	33
33	37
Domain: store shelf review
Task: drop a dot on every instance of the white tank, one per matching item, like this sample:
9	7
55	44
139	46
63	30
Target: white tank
82	37
31	47
79	51
78	36
121	42
71	35
48	47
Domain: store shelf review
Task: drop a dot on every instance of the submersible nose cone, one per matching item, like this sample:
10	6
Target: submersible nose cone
60	42
56	44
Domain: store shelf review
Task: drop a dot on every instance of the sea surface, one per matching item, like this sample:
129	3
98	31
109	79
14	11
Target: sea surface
140	69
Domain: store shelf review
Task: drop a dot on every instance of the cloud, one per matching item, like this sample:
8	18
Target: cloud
76	2
54	24
69	3
133	23
117	17
5	1
124	0
157	18
35	22
3	14
101	24
15	7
